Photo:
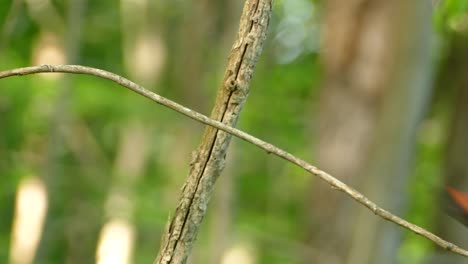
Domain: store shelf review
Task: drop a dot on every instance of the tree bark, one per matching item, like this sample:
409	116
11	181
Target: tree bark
208	160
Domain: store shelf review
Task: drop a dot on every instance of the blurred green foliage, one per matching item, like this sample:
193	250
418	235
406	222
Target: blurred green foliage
451	15
269	194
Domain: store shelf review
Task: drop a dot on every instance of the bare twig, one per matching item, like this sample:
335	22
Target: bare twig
269	148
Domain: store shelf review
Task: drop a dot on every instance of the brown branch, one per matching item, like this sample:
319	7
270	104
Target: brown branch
269	148
209	159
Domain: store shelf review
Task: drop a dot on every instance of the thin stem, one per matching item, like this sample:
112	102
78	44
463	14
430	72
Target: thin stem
269	148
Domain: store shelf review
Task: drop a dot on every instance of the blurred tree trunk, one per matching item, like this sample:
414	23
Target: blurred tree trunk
117	236
377	67
83	210
456	163
67	238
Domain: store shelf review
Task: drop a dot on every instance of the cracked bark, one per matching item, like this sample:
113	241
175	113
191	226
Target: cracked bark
208	161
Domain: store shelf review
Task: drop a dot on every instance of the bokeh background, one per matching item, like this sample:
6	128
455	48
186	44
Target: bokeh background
374	92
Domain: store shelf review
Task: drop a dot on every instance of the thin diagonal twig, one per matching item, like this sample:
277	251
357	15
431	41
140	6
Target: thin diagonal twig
269	148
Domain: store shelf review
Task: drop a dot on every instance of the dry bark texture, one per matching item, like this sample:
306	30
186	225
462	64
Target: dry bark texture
208	160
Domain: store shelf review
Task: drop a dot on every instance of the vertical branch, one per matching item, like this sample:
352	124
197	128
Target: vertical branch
208	160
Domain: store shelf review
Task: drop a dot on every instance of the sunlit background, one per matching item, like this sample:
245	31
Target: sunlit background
373	91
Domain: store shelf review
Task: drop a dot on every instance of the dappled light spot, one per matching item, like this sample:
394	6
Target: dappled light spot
30	211
48	49
146	58
115	244
240	253
459	23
